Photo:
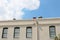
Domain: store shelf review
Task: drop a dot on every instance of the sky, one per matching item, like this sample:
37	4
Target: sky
47	9
27	9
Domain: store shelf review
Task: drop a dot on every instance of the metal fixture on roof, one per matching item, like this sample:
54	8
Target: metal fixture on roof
40	17
14	19
34	18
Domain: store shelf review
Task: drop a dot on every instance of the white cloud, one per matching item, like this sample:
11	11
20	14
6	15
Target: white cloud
13	8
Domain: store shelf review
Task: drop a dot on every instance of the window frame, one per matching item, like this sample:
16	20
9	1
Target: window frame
28	32
15	33
4	32
52	32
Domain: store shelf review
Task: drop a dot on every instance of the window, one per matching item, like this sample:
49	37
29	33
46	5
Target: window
4	34
52	31
16	32
29	32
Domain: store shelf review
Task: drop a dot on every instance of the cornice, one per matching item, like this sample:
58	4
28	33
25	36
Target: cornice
17	25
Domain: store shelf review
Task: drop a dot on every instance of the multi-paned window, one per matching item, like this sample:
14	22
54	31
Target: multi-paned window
16	32
28	32
4	33
52	31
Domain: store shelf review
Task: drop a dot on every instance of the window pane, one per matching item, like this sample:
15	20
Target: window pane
52	36
16	32
4	35
5	30
52	31
16	35
29	30
29	34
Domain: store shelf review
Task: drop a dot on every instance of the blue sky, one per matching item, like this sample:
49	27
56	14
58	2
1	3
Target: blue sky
47	9
27	9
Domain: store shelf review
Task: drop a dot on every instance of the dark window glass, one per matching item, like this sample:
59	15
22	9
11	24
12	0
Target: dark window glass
29	32
4	34
16	32
52	31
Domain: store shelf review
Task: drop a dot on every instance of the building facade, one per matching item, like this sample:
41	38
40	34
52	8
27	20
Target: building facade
34	29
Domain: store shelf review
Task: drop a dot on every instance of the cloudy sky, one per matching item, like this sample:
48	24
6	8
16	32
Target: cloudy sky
26	9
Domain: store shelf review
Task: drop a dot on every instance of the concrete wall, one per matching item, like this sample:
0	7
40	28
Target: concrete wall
40	30
44	32
44	28
22	26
